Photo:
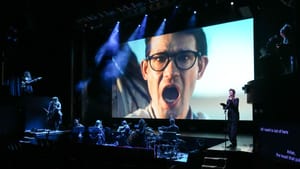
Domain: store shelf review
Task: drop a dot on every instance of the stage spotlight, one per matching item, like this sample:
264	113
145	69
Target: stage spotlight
134	33
192	21
161	28
142	27
139	32
110	47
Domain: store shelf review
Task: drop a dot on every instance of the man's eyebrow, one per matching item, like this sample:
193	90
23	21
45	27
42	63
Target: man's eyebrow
157	53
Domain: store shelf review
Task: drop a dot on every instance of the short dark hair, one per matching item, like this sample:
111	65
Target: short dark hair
232	90
199	35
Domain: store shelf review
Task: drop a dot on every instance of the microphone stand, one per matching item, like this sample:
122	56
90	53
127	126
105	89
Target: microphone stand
225	128
225	123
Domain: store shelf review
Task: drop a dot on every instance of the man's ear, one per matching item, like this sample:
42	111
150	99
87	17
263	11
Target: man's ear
202	63
144	69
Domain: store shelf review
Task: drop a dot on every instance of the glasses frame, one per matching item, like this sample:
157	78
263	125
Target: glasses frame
169	55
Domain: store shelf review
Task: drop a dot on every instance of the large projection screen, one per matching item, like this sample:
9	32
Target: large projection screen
230	55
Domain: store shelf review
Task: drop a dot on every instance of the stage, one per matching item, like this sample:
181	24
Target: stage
191	151
188	141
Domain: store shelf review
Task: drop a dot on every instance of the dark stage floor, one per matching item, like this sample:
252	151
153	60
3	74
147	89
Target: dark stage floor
191	147
244	144
216	142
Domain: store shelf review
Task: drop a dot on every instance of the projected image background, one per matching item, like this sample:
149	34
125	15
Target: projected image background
230	65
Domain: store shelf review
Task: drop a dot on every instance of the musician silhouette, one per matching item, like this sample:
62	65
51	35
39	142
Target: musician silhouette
232	108
123	133
26	83
97	133
54	113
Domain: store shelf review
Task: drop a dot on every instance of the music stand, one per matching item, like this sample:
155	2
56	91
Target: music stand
79	130
225	122
93	130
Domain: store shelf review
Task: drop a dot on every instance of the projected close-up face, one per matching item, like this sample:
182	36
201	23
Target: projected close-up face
171	69
188	73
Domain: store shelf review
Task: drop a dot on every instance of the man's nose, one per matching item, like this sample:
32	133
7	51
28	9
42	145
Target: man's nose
171	69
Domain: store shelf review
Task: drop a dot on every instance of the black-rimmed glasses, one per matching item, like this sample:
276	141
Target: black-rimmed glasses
184	60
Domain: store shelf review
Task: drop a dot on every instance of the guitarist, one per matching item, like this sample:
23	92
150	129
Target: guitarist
54	114
26	83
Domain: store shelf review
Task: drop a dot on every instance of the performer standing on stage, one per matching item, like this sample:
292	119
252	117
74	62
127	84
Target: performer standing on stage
232	107
26	83
54	114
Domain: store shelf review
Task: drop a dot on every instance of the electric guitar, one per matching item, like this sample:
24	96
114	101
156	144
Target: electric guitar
53	114
24	83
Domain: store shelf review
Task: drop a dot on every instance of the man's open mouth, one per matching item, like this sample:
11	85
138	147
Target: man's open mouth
170	94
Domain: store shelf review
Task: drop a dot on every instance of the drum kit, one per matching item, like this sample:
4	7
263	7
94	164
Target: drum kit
164	144
148	140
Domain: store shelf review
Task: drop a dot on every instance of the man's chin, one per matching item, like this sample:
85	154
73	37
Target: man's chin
172	113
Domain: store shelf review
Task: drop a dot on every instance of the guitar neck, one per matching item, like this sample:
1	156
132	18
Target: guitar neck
33	80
